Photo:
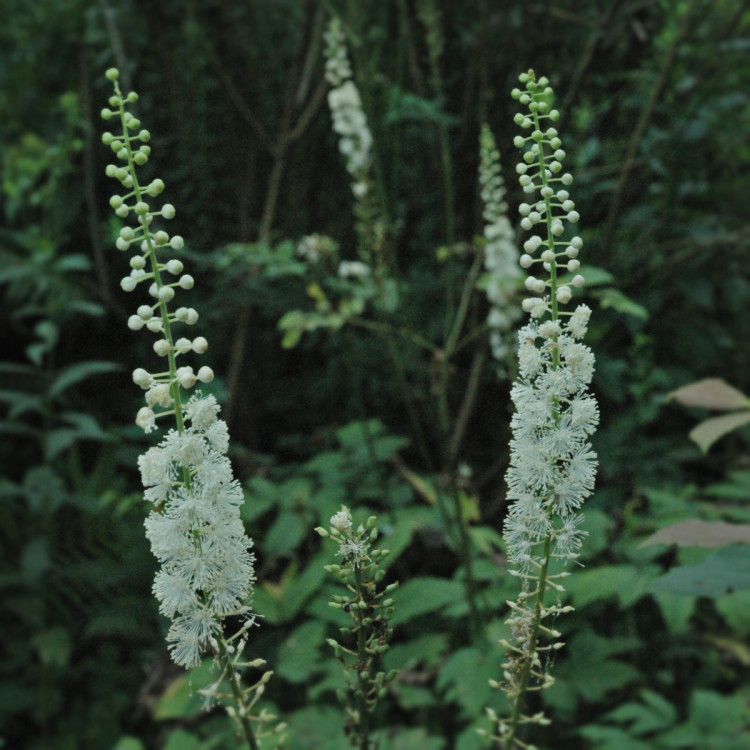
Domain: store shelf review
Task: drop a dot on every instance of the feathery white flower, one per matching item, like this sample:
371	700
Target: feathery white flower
552	465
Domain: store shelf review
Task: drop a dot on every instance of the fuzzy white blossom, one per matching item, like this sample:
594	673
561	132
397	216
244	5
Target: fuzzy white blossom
196	531
500	252
195	528
347	113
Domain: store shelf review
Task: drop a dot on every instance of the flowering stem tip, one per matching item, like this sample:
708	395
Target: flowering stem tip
194	527
552	465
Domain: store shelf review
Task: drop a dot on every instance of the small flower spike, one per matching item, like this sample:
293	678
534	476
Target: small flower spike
500	252
370	609
552	464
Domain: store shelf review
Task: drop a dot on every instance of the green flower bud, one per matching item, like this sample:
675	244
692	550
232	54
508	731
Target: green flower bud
141	208
112	74
105	114
140	158
111	170
114	101
156	187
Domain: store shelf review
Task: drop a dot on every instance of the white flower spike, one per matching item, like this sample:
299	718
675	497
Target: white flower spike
552	465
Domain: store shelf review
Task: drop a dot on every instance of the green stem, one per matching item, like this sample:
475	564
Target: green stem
363	712
234	684
406	395
531	653
466	559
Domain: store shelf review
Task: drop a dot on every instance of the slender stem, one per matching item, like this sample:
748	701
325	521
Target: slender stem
466	558
234	684
362	708
406	395
531	653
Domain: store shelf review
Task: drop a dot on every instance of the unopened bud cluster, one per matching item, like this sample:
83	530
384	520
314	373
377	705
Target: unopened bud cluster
195	528
552	464
164	278
500	251
370	609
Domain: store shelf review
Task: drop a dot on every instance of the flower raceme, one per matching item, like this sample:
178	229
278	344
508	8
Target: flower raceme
195	528
500	251
552	465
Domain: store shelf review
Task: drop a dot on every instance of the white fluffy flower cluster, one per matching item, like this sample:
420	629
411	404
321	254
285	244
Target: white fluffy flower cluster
349	120
500	251
552	465
196	531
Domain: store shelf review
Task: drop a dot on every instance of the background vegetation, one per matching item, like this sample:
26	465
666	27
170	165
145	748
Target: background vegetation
655	117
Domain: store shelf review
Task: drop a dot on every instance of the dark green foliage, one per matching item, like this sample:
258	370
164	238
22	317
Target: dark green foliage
654	101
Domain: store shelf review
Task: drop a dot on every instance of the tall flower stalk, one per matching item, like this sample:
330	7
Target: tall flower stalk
552	465
195	528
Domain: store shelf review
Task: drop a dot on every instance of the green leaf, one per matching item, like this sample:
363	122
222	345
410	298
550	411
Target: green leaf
299	654
653	714
74	374
626	582
610	738
412	738
304	586
53	646
420	596
465	679
676	609
286	532
318	727
129	743
615	299
179	739
724	571
181	698
735	609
